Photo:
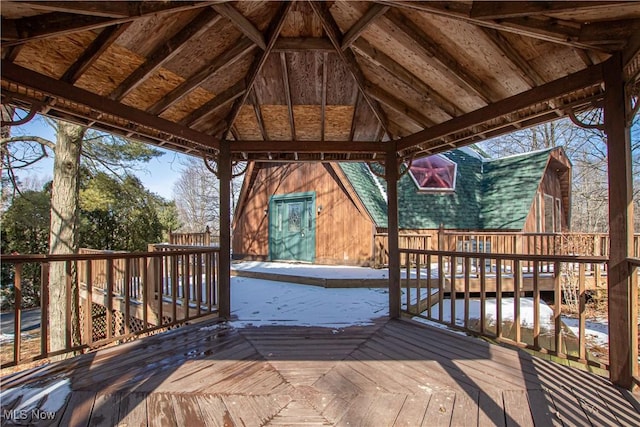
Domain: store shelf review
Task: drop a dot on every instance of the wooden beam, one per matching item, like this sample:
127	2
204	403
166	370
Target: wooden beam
622	285
401	107
513	9
323	90
532	77
379	58
224	263
241	23
18	31
58	89
222	99
273	33
165	52
440	59
393	226
461	11
106	38
544	93
303	44
309	147
375	11
347	57
287	93
225	59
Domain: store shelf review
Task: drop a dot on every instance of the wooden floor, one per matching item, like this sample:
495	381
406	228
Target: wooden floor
392	373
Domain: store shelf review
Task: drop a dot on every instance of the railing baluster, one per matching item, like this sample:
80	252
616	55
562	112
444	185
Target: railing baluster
186	286
467	284
109	298
174	286
581	313
498	298
44	309
17	312
418	284
483	294
557	308
536	305
440	287
88	304
127	296
160	263
429	293
198	282
68	306
517	280
407	281
453	269
145	289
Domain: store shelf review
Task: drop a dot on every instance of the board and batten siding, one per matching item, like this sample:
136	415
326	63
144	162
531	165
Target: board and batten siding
344	230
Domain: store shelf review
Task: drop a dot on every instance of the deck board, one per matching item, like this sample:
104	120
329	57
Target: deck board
391	373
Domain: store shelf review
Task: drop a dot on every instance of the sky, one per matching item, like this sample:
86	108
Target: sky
159	175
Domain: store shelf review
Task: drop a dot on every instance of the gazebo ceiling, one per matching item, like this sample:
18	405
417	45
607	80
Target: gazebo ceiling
296	81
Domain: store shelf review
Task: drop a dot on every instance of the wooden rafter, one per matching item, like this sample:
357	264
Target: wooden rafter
532	77
440	59
347	57
552	32
18	31
287	93
375	11
58	89
100	44
11	52
513	9
585	78
210	107
366	147
273	33
228	57
303	44
255	102
165	52
241	23
401	107
407	77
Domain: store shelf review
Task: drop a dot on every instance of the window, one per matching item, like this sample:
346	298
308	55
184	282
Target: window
433	173
548	214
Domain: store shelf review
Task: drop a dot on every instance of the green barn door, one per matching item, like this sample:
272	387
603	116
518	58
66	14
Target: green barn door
292	227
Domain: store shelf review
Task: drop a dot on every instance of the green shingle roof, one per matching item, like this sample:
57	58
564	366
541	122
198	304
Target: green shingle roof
489	194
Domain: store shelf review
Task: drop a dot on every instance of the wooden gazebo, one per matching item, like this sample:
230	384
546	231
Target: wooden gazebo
341	81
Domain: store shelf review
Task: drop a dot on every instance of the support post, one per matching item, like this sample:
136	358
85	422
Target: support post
391	176
224	273
623	295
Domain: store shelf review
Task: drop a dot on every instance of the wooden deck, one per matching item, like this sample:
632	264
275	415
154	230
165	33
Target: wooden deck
392	373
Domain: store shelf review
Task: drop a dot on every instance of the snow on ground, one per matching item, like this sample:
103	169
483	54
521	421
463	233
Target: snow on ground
256	302
312	270
596	332
54	395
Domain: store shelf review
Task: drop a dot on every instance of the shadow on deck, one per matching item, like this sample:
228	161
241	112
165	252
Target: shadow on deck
394	372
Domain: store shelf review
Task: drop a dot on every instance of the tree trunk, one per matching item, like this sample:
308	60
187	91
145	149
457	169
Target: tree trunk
63	235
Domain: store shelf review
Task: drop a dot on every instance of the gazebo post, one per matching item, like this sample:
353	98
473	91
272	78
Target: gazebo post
622	285
391	176
224	276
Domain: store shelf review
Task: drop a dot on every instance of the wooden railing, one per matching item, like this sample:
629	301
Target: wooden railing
524	300
583	244
116	296
194	239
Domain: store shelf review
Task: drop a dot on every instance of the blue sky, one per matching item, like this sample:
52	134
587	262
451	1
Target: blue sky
158	175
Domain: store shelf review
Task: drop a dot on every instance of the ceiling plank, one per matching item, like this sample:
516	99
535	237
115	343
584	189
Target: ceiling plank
243	146
323	90
210	107
165	52
241	23
274	31
287	93
375	11
440	59
401	107
532	77
19	31
379	58
347	57
223	60
513	9
97	47
58	89
544	93
256	109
